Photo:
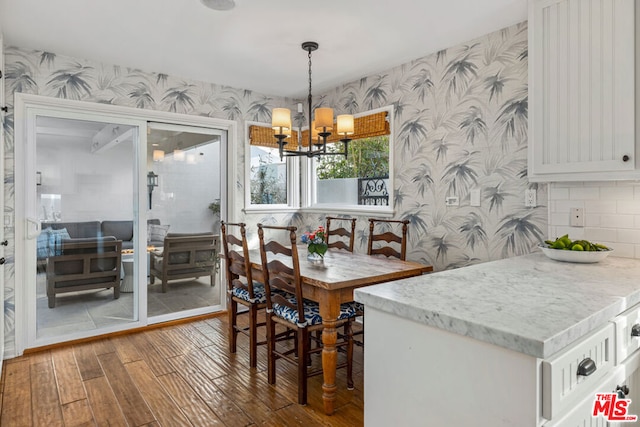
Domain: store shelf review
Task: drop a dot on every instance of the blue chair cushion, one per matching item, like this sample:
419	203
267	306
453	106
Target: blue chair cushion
55	241
259	293
359	307
311	312
43	248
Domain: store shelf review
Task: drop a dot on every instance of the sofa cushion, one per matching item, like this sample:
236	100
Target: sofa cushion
156	232
76	229
121	230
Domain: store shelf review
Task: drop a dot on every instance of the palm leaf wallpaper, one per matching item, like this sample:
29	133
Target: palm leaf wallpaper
460	124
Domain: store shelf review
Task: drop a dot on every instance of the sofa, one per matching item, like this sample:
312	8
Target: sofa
53	233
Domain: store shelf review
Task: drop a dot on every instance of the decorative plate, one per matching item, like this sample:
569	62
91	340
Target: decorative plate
574	256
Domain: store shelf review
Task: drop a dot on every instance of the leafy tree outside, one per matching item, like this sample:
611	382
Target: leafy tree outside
268	183
368	158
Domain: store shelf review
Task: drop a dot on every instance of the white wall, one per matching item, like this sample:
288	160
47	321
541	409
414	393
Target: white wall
91	186
611	213
185	190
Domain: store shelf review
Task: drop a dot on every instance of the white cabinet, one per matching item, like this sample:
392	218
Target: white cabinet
561	389
563	386
581	414
582	89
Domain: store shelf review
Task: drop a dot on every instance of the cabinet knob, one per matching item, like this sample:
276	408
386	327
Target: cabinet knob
586	367
625	158
2	260
622	391
5	242
635	330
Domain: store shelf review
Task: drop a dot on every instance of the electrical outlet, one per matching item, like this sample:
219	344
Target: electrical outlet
452	201
530	198
577	217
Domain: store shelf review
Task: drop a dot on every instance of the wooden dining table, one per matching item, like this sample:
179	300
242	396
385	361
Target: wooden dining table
331	284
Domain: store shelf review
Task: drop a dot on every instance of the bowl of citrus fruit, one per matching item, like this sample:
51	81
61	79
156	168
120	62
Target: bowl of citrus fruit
567	250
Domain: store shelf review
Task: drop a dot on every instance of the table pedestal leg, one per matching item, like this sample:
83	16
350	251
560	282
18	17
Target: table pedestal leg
329	357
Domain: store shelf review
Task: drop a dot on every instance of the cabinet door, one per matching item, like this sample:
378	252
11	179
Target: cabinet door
633	383
581	415
581	87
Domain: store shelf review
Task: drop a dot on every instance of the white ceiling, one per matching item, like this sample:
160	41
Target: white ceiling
257	44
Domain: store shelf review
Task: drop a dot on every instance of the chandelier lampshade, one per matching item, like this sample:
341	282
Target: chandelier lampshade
320	121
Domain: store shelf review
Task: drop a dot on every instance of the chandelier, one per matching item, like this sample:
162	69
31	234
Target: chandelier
319	128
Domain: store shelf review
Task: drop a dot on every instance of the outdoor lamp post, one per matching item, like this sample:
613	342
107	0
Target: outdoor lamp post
152	181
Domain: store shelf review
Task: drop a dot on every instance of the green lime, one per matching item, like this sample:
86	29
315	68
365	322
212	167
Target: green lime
577	247
558	244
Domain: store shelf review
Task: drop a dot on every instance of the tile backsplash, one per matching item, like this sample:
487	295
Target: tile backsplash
611	213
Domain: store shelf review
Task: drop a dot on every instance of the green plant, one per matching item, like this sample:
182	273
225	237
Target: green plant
268	184
215	207
368	158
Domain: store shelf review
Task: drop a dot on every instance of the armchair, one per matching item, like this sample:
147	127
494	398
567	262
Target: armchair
83	264
185	256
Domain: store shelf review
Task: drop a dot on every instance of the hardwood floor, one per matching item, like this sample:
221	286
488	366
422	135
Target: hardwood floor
180	375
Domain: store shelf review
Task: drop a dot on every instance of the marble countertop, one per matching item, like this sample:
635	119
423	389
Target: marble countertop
529	304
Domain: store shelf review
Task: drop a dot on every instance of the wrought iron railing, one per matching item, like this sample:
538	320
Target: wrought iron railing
373	191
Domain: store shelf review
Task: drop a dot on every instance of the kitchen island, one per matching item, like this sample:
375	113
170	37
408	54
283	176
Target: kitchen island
469	346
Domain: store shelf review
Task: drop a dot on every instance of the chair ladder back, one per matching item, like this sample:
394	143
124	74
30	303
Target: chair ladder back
389	237
238	266
277	275
343	232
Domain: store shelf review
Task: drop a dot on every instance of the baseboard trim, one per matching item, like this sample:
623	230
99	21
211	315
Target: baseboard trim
127	332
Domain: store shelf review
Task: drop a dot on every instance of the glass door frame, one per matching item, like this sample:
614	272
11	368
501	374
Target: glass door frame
26	108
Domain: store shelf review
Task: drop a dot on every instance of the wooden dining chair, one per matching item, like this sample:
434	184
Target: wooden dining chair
341	232
287	306
380	230
242	289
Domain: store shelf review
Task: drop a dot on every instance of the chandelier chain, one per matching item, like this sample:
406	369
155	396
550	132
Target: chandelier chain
309	55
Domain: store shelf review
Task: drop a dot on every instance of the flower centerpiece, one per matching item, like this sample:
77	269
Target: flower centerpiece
316	243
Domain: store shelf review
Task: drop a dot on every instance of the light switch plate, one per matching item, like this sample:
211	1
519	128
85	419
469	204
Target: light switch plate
474	197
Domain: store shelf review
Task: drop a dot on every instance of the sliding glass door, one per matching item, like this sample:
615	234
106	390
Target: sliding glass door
184	195
83	219
117	219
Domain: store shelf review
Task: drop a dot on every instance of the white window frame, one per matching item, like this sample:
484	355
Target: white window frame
293	181
301	191
309	171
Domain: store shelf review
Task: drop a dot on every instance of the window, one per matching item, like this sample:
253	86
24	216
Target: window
360	179
362	182
269	178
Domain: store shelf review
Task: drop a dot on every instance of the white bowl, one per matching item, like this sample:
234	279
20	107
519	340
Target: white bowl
574	256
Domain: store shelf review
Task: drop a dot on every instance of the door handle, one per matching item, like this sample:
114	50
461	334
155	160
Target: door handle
33	228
